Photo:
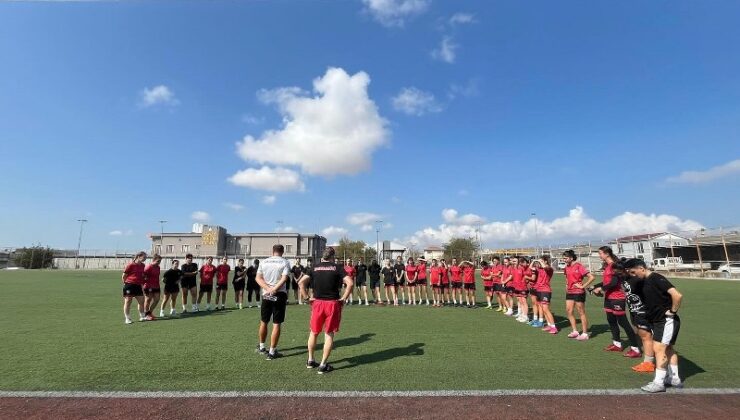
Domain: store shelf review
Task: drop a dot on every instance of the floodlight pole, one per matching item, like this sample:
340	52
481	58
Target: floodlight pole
161	236
280	226
377	240
79	240
536	236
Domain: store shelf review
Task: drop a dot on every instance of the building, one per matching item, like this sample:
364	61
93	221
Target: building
643	246
215	241
434	253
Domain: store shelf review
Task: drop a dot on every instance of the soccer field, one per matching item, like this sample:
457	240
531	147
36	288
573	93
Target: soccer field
64	331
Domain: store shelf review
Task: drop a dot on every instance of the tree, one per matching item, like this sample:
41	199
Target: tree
462	249
353	249
34	257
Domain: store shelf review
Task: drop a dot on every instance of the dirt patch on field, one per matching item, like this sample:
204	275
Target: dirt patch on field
674	406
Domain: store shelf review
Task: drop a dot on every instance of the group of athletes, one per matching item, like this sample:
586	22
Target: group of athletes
627	285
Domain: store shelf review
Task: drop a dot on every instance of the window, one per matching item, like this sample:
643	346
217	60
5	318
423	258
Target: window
197	247
640	247
185	248
170	249
158	249
245	249
620	249
288	249
656	244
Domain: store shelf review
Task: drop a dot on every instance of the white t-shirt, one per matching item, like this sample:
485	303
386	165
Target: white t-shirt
272	269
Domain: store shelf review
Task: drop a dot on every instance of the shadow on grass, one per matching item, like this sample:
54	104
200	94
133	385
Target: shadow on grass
598	329
416	349
342	342
687	368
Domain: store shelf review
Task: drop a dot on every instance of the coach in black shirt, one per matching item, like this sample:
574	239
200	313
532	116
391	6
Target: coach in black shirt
361	280
188	281
373	271
326	279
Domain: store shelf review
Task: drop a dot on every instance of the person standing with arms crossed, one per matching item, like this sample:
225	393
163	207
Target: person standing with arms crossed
272	275
188	283
326	280
361	273
374	272
252	286
239	282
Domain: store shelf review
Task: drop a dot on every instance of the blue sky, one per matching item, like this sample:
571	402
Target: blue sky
444	117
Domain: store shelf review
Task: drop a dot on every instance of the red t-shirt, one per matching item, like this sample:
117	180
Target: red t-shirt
410	272
207	272
529	273
574	273
468	274
518	282
222	273
350	271
505	273
456	272
544	275
134	273
434	275
444	275
421	271
487	272
497	272
151	276
611	286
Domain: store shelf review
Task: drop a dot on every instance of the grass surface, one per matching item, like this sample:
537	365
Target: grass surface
64	330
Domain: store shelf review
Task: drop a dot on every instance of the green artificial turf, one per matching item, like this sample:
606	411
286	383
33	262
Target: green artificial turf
64	330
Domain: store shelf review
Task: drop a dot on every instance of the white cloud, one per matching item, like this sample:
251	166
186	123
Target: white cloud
115	233
461	18
576	225
388	226
469	89
158	95
363	218
333	232
252	120
395	12
269	179
269	199
333	132
200	216
234	206
711	174
446	51
413	101
366	228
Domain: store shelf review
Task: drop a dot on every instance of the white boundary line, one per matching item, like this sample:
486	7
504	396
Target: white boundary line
355	394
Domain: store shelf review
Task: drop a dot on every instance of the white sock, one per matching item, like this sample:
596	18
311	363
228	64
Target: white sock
650	359
272	350
262	346
541	319
674	372
660	376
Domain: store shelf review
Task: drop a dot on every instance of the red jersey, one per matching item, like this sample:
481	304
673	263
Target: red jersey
505	273
497	271
435	275
421	272
529	273
468	274
611	286
544	275
207	272
444	275
222	273
518	282
485	273
456	272
410	272
350	271
574	273
151	276
134	273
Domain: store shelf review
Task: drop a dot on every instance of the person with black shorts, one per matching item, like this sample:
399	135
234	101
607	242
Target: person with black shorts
361	281
239	282
389	281
456	283
468	269
507	277
151	287
444	284
272	276
662	302
188	282
327	279
575	294
252	286
373	271
422	290
399	271
297	271
207	273
171	288
133	280
632	287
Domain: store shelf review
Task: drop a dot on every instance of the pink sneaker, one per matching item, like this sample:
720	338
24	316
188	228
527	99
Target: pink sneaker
546	328
573	334
553	330
582	337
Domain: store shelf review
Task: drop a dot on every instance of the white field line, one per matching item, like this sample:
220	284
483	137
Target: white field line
355	394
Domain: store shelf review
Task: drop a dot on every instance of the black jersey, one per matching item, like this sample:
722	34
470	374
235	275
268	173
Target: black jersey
361	270
326	280
240	274
374	271
189	270
656	297
632	287
172	276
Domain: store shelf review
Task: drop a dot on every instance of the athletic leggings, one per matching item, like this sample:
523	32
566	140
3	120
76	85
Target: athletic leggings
256	294
615	321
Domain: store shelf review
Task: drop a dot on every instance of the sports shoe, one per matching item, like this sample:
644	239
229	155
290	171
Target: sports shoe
367	303
499	309
553	330
653	387
173	312
275	355
644	367
325	369
259	350
632	354
311	364
674	382
509	313
612	347
537	324
546	328
573	334
161	314
522	319
489	307
128	321
582	337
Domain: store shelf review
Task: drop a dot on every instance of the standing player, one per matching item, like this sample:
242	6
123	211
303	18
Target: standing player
297	271
349	269
326	306
421	280
374	272
361	277
133	279
543	291
435	280
171	288
575	293
399	271
239	282
151	287
389	281
411	278
188	283
530	275
507	275
486	273
519	289
638	315
498	288
252	286
207	273
468	270
456	273
222	282
444	282
272	276
662	302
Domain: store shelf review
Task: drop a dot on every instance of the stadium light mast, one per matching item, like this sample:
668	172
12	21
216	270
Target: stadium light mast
536	236
79	240
280	226
377	240
161	236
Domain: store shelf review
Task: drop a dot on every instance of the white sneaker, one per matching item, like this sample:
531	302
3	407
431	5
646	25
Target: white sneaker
367	303
161	314
129	321
142	319
522	319
672	381
653	387
208	307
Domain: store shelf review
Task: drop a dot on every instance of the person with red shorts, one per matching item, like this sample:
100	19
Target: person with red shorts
456	283
506	282
444	281
207	273
133	280
421	280
575	293
615	303
486	274
326	279
222	282
498	289
411	280
151	287
435	279
468	277
519	289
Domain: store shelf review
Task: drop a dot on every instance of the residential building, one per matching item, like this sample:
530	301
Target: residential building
643	246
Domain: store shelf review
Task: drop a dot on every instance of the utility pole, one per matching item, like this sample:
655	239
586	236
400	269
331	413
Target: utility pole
161	236
377	240
280	227
79	240
536	236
